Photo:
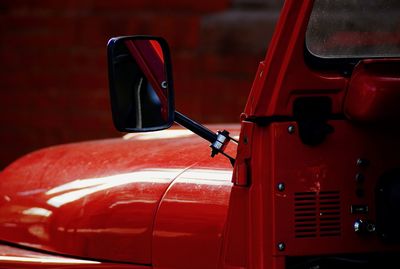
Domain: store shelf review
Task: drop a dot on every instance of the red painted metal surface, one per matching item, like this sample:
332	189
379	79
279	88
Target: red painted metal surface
313	214
373	94
324	172
191	219
100	199
174	207
284	75
12	257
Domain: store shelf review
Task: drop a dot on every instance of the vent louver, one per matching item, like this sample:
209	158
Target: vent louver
317	214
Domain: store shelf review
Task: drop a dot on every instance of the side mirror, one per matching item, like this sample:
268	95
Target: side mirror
141	88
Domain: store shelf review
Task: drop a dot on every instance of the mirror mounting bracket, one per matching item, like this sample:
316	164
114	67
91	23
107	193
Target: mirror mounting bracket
219	140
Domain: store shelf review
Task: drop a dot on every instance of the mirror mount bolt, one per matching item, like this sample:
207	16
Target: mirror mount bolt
220	143
218	140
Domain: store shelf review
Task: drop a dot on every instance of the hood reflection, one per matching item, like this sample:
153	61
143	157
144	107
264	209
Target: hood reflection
206	177
165	134
80	188
44	260
37	211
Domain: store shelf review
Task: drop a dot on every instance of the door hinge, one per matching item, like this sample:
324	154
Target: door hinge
241	172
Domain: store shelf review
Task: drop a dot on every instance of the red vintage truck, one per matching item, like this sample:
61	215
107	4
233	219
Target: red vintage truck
310	179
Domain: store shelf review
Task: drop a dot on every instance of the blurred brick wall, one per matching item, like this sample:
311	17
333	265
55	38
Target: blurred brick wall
53	77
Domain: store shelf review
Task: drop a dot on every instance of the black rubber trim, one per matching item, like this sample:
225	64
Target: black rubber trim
344	66
265	121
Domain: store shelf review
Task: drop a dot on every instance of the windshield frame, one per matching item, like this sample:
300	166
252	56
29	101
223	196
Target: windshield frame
341	63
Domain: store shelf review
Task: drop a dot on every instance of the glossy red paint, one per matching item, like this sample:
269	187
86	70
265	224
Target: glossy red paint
332	185
284	75
271	218
12	257
373	94
191	219
289	199
100	199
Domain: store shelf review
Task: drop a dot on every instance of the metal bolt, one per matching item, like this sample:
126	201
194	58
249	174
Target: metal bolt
361	226
371	227
281	246
164	84
291	129
281	186
357	226
362	162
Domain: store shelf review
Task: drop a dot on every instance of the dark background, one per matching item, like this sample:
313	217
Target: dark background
53	84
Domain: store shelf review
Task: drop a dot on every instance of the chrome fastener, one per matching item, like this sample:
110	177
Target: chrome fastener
281	186
281	246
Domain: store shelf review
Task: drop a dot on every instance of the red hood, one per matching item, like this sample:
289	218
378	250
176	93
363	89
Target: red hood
100	199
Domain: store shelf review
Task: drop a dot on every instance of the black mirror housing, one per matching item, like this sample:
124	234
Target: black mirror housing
140	83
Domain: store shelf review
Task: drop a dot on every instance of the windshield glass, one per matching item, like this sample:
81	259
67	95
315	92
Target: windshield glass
354	29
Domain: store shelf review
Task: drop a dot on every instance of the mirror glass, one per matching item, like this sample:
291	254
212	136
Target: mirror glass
140	83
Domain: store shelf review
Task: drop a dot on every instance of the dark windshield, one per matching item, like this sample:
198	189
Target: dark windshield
354	29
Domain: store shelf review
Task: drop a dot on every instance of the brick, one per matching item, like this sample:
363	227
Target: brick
38	40
257	4
47	102
39	32
226	66
79	121
53	60
181	31
217	99
101	5
237	31
174	5
28	6
70	81
244	65
30	81
33	23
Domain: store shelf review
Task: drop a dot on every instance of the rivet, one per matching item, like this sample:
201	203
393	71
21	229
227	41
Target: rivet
281	186
371	227
291	129
164	84
281	246
357	226
362	162
360	177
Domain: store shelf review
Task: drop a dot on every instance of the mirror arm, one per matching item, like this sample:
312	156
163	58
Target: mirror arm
195	127
218	140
